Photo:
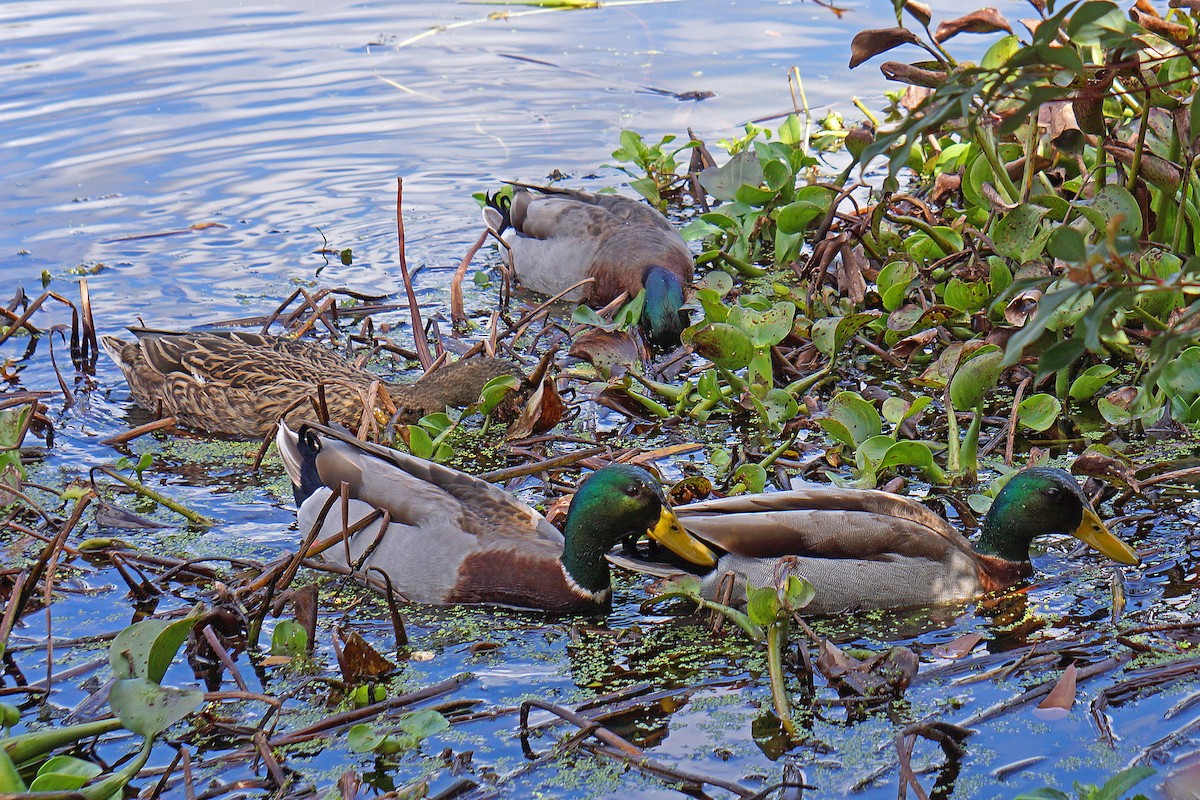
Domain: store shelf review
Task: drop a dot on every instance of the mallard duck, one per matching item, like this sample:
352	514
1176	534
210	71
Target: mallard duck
872	549
452	538
239	384
558	237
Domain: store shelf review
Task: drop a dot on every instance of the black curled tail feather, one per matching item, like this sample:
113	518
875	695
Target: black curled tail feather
500	202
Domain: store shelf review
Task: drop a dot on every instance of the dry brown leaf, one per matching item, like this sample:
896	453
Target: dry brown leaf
1160	27
985	20
1022	307
1105	467
611	352
869	43
357	658
850	280
1191	5
1159	171
904	348
959	647
914	96
1062	696
912	75
274	661
1058	119
543	411
921	12
945	185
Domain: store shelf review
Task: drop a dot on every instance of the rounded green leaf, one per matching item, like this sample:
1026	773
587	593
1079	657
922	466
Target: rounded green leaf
752	476
64	774
145	649
149	709
424	723
859	417
1017	234
1038	412
894	281
723	344
363	738
419	443
762	605
1091	380
974	378
829	335
796	217
912	454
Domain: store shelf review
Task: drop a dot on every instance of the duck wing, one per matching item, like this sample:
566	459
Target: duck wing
412	490
824	522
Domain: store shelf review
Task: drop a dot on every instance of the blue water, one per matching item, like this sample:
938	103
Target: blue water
286	124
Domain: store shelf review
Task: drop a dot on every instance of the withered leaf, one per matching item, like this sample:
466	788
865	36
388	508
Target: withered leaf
912	74
543	411
1062	696
921	12
1059	120
985	20
611	352
1160	27
1022	307
1099	465
1162	173
357	659
959	647
945	185
869	43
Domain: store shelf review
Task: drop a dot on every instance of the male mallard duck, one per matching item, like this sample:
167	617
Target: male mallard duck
452	538
239	384
561	236
871	549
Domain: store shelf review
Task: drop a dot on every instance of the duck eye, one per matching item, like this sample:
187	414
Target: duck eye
633	490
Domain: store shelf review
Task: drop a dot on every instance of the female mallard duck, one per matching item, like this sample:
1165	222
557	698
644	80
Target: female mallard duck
871	549
452	538
240	384
562	236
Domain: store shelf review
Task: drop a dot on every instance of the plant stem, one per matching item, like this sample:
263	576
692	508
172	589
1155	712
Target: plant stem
193	516
776	636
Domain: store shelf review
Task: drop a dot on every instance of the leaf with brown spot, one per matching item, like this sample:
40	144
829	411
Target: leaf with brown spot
959	647
690	490
611	352
1099	465
870	43
985	20
1062	696
357	659
1162	173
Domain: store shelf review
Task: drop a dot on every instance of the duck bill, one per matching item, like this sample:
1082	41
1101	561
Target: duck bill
670	533
1093	533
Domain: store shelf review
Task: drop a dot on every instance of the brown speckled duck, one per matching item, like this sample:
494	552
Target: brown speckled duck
239	384
872	549
453	538
558	237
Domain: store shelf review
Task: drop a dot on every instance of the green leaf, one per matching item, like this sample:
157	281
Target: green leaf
10	779
975	377
1046	793
289	638
419	442
1119	208
797	593
829	335
894	281
762	605
723	344
424	723
494	392
856	415
752	476
1116	786
913	454
717	281
363	738
1181	376
1038	412
149	709
145	649
780	407
723	182
796	217
965	296
64	774
1091	380
765	328
1017	234
1067	244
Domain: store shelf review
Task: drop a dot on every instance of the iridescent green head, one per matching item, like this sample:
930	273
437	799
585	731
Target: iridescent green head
1041	501
614	502
663	314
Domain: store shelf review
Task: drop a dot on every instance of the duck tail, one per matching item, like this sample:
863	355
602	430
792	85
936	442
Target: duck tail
116	349
663	314
298	452
497	212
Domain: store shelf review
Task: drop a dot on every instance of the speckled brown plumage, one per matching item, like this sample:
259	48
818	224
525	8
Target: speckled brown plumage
239	384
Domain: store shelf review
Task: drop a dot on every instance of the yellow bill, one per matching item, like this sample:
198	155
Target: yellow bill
671	535
1093	533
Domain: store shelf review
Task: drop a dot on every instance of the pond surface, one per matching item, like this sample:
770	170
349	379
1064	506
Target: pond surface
194	159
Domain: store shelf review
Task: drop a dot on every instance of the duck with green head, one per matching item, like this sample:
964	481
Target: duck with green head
872	549
448	537
559	237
